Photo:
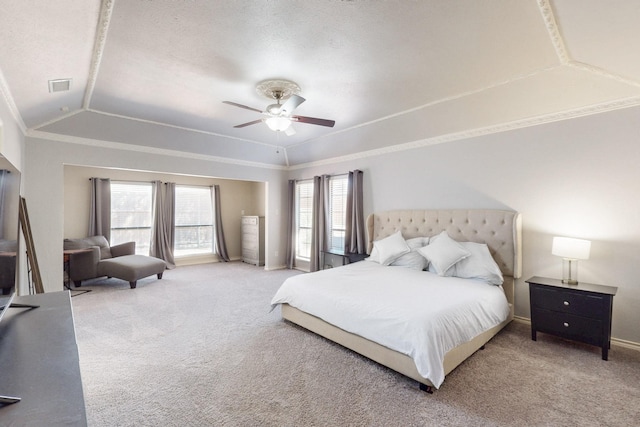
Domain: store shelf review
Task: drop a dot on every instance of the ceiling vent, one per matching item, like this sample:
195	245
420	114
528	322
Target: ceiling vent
60	85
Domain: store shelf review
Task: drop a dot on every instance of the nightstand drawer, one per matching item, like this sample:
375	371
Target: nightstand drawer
569	325
567	301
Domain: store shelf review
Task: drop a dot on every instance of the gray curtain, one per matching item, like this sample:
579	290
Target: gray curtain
291	224
220	247
163	231
319	236
100	208
355	236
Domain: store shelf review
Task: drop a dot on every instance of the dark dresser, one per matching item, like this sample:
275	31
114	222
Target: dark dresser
579	312
40	364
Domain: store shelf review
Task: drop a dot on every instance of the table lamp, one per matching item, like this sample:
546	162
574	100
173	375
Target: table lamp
571	250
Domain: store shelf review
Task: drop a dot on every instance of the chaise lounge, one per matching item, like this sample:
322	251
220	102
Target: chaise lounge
92	257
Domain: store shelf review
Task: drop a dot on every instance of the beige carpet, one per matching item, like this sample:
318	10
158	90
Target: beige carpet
201	348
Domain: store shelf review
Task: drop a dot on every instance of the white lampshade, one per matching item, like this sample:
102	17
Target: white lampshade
570	248
278	124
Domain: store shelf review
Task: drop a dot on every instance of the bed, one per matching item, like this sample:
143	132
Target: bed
333	304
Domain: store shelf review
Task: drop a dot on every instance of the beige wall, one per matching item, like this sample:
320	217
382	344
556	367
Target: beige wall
235	197
43	178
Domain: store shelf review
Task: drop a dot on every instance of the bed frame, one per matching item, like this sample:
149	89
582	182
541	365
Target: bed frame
500	230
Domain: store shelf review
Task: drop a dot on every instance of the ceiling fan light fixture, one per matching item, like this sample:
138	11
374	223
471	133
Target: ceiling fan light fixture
278	124
274	109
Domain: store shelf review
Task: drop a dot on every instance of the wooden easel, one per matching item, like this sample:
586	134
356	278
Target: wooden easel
32	260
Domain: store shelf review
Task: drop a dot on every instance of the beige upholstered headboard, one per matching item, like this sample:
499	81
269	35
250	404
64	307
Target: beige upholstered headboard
500	230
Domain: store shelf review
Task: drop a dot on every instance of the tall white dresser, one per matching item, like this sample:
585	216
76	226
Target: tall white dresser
253	240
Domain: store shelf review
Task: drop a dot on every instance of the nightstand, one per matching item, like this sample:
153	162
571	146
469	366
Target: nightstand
579	312
335	258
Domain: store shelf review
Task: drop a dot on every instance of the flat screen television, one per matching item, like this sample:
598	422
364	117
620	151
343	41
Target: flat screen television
9	226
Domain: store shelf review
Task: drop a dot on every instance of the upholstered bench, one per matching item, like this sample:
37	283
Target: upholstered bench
131	268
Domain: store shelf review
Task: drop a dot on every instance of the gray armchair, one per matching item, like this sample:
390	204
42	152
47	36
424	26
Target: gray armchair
87	253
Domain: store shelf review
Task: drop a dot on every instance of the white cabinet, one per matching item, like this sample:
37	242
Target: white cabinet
253	239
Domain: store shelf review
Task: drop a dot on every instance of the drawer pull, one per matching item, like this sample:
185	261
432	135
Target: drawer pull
566	303
566	325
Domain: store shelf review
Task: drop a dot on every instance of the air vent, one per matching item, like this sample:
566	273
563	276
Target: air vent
60	85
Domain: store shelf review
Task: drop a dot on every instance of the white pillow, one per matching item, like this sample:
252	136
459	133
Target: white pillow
480	265
387	250
413	259
443	253
417	242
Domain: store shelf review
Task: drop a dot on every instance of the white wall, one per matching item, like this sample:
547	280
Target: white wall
235	197
12	147
11	136
44	189
577	178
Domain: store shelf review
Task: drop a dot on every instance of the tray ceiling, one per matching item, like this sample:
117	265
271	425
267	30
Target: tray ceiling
393	75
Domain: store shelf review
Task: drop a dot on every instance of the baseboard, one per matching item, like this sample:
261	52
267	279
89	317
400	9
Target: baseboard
614	341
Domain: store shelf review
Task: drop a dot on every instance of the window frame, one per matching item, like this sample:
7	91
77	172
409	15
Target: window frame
309	198
142	248
332	228
210	249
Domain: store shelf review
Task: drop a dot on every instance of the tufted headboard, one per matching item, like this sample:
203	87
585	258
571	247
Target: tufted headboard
500	230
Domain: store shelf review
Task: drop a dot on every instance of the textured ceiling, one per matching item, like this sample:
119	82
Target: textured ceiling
392	74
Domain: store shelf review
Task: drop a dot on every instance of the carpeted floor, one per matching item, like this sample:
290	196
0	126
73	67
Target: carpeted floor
201	348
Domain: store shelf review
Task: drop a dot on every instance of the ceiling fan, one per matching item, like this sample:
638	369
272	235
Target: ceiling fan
280	116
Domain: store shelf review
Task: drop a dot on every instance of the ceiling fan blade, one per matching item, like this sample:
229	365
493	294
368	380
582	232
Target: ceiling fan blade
291	104
290	131
314	121
248	123
235	104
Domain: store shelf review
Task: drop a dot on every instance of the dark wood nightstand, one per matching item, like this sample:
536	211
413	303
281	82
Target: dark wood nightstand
579	312
334	258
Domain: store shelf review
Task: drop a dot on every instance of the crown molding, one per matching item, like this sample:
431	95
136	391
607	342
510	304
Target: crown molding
552	28
145	149
106	10
602	72
471	133
482	131
455	97
57	119
204	132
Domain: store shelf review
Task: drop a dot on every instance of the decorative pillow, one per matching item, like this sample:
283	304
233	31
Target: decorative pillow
443	253
480	265
413	259
387	250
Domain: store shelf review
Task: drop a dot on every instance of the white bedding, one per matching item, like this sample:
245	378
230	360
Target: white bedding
416	313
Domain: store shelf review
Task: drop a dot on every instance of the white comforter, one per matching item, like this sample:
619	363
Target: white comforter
416	313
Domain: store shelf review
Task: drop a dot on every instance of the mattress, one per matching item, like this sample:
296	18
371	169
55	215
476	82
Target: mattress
416	313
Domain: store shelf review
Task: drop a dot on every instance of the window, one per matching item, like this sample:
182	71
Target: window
336	223
304	218
337	211
131	214
194	221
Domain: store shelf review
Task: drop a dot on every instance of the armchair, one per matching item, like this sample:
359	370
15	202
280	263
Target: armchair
99	259
84	265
